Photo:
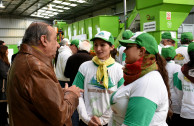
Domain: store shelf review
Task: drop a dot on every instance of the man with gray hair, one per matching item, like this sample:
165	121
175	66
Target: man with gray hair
72	67
35	96
65	42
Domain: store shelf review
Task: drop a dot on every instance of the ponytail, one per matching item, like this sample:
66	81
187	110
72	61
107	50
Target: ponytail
162	69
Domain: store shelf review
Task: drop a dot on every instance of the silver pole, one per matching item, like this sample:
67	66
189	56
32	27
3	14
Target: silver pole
125	14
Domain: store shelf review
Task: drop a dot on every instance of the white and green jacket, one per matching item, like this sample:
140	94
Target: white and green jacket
187	88
173	70
143	102
95	101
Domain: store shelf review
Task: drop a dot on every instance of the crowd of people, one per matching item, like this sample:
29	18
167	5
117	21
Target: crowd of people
139	83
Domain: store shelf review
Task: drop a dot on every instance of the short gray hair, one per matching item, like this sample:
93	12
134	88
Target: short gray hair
34	32
85	45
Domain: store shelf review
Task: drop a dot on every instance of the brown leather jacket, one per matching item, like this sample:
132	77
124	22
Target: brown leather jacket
35	96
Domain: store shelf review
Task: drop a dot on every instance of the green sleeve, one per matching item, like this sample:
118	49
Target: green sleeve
123	57
79	80
140	112
177	81
120	82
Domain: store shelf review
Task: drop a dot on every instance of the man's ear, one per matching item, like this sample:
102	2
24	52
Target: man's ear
43	40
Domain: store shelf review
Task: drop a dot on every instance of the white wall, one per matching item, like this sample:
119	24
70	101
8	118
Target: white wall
13	29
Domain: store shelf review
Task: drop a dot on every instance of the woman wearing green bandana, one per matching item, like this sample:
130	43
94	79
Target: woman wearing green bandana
99	78
144	100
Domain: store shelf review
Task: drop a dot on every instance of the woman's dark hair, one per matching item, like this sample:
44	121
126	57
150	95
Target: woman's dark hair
1	42
186	41
113	53
3	56
169	59
34	32
162	69
191	56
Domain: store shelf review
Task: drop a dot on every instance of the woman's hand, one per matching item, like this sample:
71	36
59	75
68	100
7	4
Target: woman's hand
96	120
92	123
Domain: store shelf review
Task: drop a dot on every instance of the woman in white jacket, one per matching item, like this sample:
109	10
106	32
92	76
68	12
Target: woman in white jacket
144	100
99	78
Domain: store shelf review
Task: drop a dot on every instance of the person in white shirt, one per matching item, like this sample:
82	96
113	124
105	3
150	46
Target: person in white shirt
64	53
144	100
166	40
185	83
99	78
182	56
169	53
120	57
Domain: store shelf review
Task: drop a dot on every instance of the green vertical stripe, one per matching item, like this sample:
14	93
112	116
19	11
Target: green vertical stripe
123	57
79	80
140	111
121	82
177	82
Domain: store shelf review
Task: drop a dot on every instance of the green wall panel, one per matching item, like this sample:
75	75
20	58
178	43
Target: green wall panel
110	23
66	31
61	25
88	28
75	28
14	47
70	31
81	29
95	25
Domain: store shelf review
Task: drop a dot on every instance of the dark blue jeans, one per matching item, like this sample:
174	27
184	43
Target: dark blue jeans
75	118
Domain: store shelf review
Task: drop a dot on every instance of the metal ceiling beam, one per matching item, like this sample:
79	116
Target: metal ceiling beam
29	7
8	4
41	7
88	10
20	3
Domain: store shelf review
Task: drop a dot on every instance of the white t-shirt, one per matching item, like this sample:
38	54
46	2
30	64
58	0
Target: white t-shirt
96	98
143	102
173	70
120	58
187	88
64	53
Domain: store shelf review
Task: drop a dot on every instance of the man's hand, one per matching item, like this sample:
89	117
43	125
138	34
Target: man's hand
96	120
74	89
92	123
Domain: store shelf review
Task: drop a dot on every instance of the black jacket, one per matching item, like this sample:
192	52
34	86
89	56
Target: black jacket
3	73
74	62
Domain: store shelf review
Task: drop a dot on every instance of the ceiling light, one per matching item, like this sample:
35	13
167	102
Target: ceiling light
81	1
40	16
48	12
46	17
60	10
55	13
41	10
45	8
56	1
44	14
66	3
73	5
51	15
66	8
1	5
59	6
53	9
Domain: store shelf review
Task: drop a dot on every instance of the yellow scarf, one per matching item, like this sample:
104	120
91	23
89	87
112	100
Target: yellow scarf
102	69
